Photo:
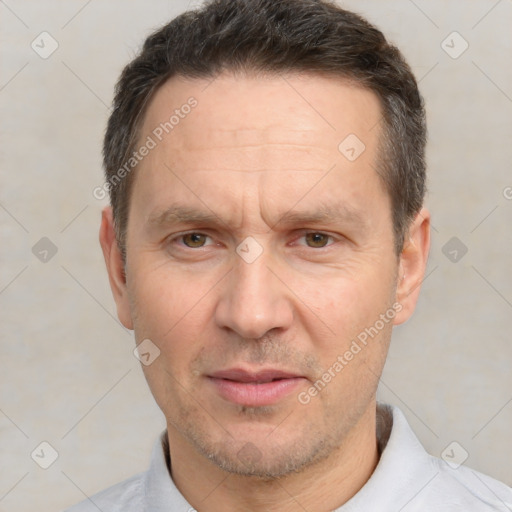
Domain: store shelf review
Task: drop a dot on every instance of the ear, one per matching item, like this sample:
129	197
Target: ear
115	267
413	262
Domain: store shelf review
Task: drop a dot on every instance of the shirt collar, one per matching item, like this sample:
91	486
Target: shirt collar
159	489
403	470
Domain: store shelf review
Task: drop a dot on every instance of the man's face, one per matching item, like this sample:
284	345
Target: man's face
257	252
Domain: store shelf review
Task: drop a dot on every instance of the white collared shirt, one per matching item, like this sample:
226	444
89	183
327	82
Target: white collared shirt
406	479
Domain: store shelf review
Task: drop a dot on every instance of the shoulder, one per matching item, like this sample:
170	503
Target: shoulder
463	488
122	497
409	479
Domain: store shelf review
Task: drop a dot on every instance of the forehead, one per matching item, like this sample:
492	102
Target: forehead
278	134
308	110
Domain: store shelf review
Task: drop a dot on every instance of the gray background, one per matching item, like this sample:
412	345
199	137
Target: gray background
68	374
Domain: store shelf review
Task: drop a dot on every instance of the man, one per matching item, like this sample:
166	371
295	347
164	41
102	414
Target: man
265	163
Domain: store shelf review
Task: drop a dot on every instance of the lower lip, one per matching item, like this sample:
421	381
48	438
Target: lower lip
256	395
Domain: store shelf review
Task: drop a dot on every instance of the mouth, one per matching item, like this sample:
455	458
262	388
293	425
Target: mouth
255	389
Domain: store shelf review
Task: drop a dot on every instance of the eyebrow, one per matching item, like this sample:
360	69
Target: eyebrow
323	214
182	214
339	213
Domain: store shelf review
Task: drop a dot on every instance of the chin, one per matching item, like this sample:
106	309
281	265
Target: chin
262	459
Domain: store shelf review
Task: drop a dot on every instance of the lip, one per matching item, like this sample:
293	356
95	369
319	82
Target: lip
255	389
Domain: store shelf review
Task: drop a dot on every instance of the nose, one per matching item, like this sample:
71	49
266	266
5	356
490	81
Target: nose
254	300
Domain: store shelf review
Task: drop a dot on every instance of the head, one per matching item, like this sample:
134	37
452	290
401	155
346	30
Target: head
271	225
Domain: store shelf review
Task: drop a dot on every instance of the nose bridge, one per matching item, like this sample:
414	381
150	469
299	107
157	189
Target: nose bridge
253	301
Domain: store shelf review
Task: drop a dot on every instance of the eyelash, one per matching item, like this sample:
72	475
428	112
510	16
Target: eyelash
331	239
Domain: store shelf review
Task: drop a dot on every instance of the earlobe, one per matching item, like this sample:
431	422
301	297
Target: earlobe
115	267
413	262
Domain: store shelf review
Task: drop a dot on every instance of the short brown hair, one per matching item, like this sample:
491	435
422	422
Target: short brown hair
313	36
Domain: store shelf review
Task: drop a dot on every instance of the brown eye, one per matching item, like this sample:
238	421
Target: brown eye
317	240
194	240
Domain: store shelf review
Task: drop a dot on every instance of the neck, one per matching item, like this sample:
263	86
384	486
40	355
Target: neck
325	486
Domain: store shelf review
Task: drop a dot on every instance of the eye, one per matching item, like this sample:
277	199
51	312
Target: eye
194	240
317	240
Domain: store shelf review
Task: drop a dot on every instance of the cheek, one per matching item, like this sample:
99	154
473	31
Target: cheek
353	349
345	303
171	310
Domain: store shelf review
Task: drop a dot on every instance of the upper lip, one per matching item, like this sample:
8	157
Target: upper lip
261	376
